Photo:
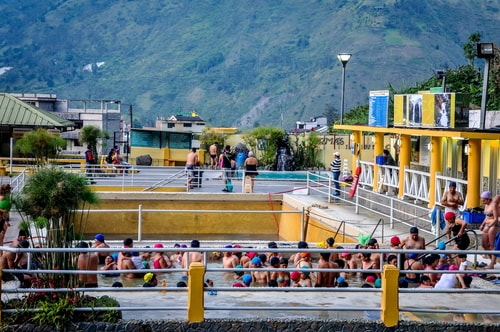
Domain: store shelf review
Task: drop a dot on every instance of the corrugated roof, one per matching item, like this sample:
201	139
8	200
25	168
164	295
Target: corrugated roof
15	112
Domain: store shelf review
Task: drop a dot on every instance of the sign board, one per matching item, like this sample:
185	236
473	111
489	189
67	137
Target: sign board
378	109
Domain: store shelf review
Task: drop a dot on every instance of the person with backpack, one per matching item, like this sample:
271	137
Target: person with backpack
225	159
90	162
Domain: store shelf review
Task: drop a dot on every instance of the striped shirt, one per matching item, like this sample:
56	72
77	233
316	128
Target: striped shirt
336	164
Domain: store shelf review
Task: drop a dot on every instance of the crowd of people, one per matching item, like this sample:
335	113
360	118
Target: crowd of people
224	160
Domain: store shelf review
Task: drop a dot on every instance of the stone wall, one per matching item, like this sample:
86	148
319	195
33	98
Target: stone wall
261	325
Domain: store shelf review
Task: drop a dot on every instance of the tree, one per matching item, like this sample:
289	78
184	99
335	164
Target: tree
40	145
49	205
92	135
470	51
265	141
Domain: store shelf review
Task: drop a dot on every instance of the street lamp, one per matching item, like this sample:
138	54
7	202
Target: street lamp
485	51
344	59
441	75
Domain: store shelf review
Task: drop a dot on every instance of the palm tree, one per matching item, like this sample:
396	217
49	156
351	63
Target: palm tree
54	204
92	135
40	145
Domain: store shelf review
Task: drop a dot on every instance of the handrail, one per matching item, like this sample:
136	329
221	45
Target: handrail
167	180
196	306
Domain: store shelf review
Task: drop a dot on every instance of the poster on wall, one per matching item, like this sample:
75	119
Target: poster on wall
378	108
444	110
415	104
426	110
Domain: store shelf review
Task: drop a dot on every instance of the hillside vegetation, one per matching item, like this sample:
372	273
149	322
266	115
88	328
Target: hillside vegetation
237	63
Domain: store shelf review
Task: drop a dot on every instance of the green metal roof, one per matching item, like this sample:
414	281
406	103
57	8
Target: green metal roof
15	112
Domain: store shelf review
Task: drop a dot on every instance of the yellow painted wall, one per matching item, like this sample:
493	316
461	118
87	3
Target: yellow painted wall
285	227
158	223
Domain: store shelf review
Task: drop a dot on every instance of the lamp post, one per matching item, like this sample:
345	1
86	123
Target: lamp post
485	51
344	59
441	75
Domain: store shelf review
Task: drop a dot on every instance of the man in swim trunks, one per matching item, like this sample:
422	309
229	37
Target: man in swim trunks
212	151
413	241
452	199
191	162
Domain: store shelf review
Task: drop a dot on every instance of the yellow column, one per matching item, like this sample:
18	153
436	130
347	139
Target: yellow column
474	174
390	296
378	150
357	137
435	167
404	161
195	302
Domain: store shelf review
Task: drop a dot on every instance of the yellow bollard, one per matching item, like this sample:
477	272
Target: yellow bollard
195	302
390	296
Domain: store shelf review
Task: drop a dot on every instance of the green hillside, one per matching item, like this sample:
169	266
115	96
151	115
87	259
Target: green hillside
237	63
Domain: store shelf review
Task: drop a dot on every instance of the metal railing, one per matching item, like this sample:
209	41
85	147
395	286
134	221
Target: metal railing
387	302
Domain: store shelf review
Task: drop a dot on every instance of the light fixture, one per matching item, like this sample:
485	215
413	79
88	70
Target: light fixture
485	51
429	146
466	149
441	75
344	59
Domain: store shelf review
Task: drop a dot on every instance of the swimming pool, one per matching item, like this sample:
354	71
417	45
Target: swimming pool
286	175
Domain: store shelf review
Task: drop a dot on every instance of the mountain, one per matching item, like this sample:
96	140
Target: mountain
236	62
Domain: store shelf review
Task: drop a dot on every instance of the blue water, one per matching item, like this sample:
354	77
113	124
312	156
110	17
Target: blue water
286	175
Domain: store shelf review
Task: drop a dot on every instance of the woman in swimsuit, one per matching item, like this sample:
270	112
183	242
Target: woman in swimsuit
489	223
368	264
457	227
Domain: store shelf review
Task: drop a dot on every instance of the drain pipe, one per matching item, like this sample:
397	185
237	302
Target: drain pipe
306	223
302	225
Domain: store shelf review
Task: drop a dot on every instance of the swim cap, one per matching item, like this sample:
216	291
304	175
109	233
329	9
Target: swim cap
99	237
247	279
395	240
486	195
148	277
295	275
256	261
158	245
441	245
449	215
370	279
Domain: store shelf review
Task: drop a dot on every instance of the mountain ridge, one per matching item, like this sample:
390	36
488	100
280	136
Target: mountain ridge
238	64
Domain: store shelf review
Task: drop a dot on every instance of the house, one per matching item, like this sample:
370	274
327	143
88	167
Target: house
182	123
317	124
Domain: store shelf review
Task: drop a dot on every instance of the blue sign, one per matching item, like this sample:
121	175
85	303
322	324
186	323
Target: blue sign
378	109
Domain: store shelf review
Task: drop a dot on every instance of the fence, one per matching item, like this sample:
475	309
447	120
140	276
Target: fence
386	300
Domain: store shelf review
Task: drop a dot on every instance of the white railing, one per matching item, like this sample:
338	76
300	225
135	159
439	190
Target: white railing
366	176
388	178
416	185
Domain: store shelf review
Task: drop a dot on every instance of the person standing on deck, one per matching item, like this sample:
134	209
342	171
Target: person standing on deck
336	164
452	199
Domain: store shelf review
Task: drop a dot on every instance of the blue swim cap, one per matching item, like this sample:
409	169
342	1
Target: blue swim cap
340	279
256	261
441	245
247	279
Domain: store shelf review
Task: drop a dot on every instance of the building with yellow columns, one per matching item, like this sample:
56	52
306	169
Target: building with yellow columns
470	155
